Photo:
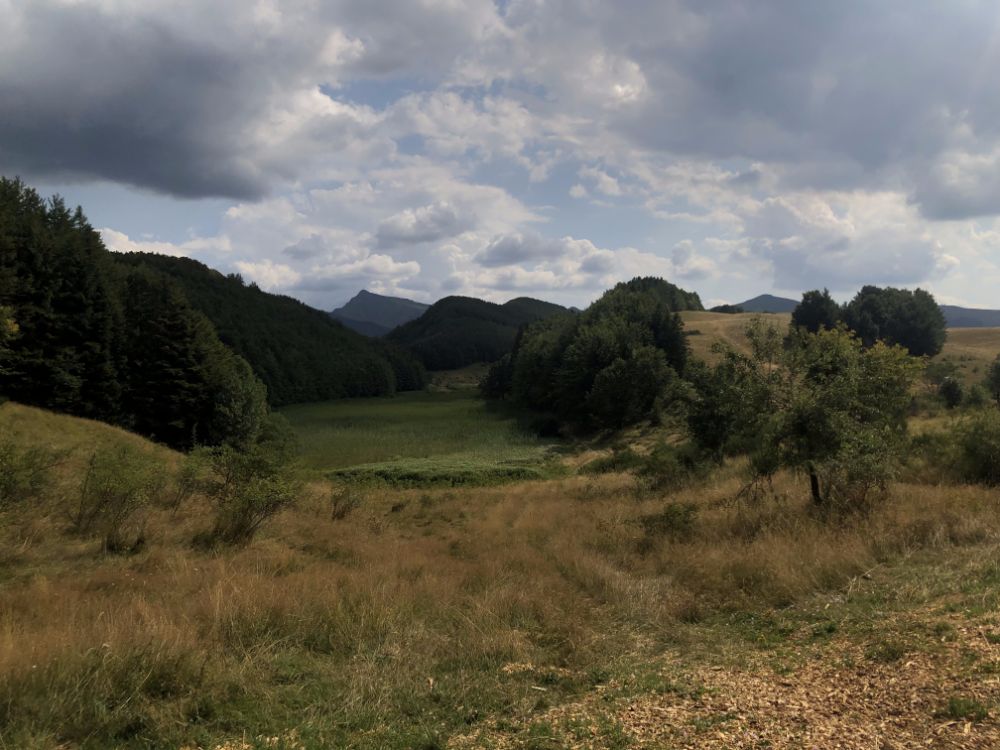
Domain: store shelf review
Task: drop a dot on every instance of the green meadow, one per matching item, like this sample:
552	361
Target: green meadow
442	437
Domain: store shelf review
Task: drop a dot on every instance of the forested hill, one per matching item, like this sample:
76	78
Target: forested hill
602	368
458	331
81	334
300	353
376	314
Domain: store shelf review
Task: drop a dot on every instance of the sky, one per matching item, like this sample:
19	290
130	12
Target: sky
547	148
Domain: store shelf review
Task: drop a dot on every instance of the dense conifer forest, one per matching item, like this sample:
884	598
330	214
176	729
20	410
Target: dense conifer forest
300	353
110	342
164	346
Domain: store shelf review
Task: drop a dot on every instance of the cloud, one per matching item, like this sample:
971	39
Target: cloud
267	274
478	145
513	249
425	224
119	242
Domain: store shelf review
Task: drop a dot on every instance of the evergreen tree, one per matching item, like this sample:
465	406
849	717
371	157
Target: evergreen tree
78	336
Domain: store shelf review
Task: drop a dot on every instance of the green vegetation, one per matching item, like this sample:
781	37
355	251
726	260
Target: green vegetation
911	319
419	438
117	486
820	404
300	354
96	341
249	485
459	331
816	311
607	367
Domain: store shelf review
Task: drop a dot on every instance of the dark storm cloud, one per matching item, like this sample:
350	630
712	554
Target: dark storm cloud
92	94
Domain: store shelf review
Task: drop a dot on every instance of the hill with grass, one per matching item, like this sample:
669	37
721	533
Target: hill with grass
376	314
300	353
458	331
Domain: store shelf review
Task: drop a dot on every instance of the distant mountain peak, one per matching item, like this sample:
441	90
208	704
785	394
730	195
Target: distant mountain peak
376	314
768	303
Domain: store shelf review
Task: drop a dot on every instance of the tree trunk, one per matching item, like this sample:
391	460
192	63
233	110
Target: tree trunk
814	485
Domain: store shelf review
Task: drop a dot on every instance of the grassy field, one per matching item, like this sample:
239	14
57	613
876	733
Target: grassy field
706	328
971	350
442	436
578	612
585	610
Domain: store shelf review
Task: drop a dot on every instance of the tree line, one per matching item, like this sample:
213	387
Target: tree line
90	338
911	319
162	346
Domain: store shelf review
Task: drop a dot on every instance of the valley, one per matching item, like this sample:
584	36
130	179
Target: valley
587	608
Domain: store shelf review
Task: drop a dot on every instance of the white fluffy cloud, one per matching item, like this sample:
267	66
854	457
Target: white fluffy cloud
494	148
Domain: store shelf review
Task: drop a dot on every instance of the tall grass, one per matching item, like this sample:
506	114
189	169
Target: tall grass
404	621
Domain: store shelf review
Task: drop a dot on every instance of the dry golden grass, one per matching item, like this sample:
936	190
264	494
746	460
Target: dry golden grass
429	615
393	627
721	327
971	350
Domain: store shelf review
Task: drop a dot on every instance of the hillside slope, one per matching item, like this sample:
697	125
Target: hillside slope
458	331
300	353
30	426
970	317
376	314
768	303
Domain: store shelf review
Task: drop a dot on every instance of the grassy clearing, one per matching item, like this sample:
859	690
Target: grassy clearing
707	328
441	437
540	614
971	350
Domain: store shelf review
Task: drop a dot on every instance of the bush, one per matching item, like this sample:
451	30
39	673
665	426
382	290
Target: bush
187	480
675	521
672	466
977	397
978	442
117	485
619	461
343	501
251	484
951	392
25	473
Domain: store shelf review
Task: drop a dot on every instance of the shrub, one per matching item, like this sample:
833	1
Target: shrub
344	499
25	473
671	466
951	392
675	521
619	461
977	397
187	480
117	485
251	484
978	442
